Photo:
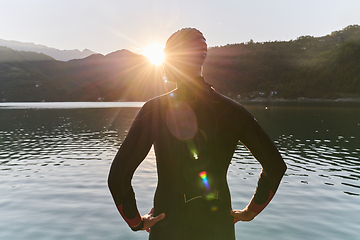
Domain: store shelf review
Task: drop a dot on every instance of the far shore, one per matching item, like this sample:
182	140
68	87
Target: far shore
299	100
238	100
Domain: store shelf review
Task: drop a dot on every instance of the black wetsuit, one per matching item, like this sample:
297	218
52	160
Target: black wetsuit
194	139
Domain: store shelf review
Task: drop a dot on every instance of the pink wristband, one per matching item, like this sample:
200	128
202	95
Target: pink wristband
256	208
131	222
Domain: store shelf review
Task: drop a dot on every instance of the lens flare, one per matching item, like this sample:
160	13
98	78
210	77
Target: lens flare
214	208
154	52
203	176
181	120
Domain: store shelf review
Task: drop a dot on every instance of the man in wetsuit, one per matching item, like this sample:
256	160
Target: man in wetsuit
195	131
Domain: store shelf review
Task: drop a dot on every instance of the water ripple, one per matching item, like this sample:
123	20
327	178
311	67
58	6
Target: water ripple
323	159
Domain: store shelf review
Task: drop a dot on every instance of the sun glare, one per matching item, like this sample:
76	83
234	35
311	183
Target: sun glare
154	52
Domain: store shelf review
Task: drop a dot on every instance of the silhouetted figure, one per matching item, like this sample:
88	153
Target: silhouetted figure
195	131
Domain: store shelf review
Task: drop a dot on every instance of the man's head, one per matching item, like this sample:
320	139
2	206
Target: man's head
185	51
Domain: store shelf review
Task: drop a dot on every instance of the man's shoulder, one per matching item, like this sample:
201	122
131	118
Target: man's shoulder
157	102
226	101
234	109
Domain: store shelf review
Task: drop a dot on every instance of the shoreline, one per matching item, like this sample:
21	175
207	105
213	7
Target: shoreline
300	100
237	100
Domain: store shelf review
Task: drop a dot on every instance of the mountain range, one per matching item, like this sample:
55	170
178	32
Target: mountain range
121	75
61	55
325	67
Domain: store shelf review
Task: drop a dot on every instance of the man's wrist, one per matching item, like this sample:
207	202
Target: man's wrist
251	214
138	227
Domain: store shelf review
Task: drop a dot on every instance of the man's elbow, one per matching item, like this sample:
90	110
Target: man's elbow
282	167
112	177
111	181
279	167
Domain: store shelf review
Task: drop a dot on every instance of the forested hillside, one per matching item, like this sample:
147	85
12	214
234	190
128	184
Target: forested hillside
323	67
308	67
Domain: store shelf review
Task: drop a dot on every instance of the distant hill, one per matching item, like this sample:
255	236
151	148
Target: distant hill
119	76
330	74
61	55
325	67
10	55
308	67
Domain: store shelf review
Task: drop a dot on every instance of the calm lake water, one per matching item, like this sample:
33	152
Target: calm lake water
55	158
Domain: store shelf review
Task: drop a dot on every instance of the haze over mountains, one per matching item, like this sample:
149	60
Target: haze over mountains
325	67
61	55
121	75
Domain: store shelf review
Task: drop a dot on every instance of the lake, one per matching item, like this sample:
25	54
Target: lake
55	158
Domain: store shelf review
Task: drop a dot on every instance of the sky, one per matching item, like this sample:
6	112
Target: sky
105	26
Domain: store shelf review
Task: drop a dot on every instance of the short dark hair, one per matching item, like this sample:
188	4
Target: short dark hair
188	45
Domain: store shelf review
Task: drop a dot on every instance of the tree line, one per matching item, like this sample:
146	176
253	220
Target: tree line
308	67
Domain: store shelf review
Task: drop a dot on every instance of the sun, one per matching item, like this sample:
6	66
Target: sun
154	52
